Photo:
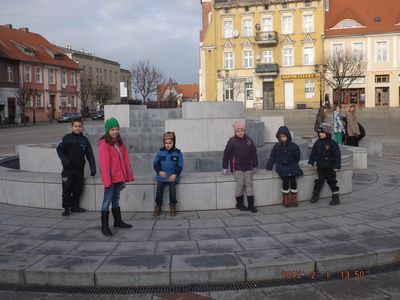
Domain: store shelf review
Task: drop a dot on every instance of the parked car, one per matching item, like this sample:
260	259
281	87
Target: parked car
68	117
98	115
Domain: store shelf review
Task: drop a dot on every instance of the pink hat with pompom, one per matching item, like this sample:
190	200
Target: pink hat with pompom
238	125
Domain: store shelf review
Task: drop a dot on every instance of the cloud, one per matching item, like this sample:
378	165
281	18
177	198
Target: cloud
165	32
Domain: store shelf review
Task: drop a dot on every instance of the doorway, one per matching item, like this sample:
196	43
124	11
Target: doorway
11	110
381	96
268	95
53	106
289	95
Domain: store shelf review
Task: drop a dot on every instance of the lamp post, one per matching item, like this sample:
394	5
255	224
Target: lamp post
35	94
319	71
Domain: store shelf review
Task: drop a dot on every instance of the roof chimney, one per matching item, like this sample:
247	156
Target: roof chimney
26	29
8	25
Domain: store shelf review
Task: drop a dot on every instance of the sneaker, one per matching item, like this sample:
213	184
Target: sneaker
65	213
78	209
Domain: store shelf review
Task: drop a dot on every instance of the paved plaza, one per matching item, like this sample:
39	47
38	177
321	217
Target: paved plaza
38	246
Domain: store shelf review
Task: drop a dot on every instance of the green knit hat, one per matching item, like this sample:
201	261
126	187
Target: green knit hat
110	123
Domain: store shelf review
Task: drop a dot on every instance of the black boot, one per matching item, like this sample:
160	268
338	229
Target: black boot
315	197
118	220
104	223
335	199
250	202
239	204
66	212
78	209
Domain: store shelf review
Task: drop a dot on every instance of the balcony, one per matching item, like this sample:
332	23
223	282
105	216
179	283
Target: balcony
267	70
266	38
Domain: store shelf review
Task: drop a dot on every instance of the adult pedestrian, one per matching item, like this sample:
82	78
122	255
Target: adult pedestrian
353	130
339	126
320	118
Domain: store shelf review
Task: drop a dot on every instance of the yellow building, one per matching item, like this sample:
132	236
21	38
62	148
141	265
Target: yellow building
263	53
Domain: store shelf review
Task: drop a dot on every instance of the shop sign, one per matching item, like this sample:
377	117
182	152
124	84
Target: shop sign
298	76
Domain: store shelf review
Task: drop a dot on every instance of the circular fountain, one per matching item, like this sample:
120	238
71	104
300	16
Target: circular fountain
202	130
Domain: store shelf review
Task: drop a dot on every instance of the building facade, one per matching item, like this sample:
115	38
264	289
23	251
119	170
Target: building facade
29	62
173	94
99	71
371	29
262	53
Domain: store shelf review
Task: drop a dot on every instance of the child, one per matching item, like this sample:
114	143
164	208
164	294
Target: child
339	128
286	155
168	165
241	154
72	151
326	153
115	170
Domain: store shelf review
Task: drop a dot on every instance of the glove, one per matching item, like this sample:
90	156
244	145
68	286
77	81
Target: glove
224	171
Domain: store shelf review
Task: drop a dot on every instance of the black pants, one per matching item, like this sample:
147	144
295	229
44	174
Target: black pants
160	192
72	184
329	175
352	141
289	182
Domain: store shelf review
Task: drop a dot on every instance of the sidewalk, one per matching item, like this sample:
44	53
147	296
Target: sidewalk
39	246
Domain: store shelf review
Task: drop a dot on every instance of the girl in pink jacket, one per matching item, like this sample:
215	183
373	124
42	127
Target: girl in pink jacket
115	170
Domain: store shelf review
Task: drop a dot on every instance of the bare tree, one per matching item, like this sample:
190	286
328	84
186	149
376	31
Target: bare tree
145	78
341	69
86	89
23	96
103	93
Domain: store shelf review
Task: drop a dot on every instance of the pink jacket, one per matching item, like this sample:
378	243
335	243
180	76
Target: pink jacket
113	167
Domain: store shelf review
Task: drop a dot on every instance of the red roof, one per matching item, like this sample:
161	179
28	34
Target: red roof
13	42
365	12
187	90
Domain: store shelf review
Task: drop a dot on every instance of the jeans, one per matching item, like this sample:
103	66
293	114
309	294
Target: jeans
111	195
160	192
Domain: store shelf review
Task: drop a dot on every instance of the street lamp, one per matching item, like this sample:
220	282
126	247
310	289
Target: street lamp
35	94
319	71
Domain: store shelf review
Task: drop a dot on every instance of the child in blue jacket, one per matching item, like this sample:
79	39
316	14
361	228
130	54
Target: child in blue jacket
168	165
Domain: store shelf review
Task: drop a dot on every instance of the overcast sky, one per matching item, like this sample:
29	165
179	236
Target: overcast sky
164	31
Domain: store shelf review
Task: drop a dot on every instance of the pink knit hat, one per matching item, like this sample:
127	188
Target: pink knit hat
238	125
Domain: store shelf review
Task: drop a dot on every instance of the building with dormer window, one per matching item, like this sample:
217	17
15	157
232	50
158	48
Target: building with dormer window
262	53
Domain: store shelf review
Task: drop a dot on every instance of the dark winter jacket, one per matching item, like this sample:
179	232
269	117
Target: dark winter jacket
326	153
72	151
285	156
169	161
241	153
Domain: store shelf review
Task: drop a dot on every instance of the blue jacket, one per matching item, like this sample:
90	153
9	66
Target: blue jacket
285	156
170	162
326	153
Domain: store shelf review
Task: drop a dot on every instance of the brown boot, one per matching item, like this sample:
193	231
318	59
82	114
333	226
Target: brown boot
157	210
285	199
293	198
172	210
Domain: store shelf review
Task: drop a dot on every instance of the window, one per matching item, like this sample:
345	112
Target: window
309	89
308	23
228	29
228	91
337	49
38	74
266	24
63	78
110	75
287	24
247	59
308	56
27	73
39	101
73	78
248	88
247	27
73	101
10	72
52	77
381	51
358	49
288	57
228	60
267	57
105	74
116	77
382	78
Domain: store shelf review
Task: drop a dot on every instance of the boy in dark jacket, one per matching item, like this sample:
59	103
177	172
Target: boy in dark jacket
326	153
241	154
168	165
72	151
286	156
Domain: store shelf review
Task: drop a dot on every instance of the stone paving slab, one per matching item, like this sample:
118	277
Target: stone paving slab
205	268
12	266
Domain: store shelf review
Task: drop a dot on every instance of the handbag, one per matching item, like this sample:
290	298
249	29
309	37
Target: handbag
362	131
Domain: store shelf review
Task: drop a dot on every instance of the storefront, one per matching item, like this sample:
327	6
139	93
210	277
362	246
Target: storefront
350	96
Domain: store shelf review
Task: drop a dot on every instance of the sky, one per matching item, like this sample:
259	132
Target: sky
166	32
